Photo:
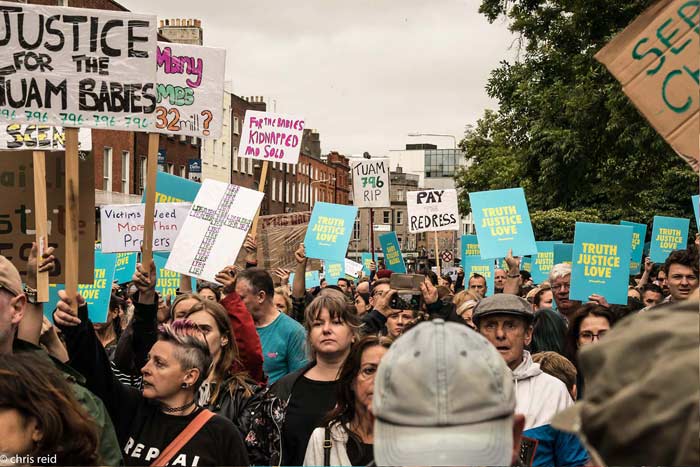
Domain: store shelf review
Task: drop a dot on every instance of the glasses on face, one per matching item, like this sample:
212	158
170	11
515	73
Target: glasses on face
559	287
588	336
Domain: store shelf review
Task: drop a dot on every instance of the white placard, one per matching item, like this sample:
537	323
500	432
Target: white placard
77	67
352	268
370	182
190	90
214	230
270	136
16	137
432	210
122	226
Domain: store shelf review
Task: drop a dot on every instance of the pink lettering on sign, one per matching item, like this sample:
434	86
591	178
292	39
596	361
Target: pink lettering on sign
174	65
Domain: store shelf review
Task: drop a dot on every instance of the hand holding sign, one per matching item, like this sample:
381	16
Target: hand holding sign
145	282
63	316
48	263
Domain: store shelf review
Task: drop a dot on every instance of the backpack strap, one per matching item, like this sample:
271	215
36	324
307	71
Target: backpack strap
327	445
185	435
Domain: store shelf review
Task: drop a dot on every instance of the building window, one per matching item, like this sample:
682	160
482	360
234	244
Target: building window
280	191
356	229
236	131
399	218
274	190
125	171
249	166
387	217
398	239
183	171
294	193
142	173
171	168
107	169
183	138
224	159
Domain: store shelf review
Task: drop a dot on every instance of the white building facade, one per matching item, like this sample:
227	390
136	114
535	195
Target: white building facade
216	153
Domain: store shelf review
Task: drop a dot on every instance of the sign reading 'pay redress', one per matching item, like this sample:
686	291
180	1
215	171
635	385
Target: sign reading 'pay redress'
432	210
122	226
214	230
269	136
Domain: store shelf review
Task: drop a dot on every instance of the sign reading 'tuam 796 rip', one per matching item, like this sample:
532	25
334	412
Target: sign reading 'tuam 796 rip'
77	67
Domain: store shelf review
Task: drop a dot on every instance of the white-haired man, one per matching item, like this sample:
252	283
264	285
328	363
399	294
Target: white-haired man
560	280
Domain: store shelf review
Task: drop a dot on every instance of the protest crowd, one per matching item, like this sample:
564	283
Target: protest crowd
185	333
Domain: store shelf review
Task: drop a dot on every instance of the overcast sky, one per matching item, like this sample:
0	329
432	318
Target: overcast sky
364	73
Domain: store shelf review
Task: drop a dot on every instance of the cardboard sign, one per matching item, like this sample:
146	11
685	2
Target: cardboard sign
667	235
17	207
190	89
542	262
15	137
370	183
656	60
122	226
639	233
476	265
333	271
366	261
601	262
311	279
470	246
563	253
96	294
174	189
124	267
352	268
214	230
329	231
696	208
78	67
432	210
279	236
270	136
502	222
393	259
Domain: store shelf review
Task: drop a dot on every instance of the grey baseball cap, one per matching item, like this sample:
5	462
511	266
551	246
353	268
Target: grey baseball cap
443	396
502	304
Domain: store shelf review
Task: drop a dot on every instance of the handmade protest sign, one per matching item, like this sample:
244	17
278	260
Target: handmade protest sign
502	222
542	262
333	271
278	237
124	267
17	225
470	245
696	208
656	60
366	259
601	262
122	226
190	89
96	293
432	210
214	230
370	182
77	67
14	137
311	279
563	253
271	136
476	265
352	268
639	232
667	234
329	231
393	259
174	189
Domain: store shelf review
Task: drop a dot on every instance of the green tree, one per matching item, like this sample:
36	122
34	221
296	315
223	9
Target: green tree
564	130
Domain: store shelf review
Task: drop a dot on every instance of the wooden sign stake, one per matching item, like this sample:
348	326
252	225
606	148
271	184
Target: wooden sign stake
149	209
40	224
72	216
437	254
261	187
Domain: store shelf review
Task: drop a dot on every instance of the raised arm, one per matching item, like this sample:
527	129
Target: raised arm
30	327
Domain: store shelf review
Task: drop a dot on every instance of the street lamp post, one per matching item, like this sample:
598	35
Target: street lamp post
454	140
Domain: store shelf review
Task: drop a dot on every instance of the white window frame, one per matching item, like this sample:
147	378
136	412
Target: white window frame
236	131
399	217
274	191
107	169
126	155
171	168
142	173
183	171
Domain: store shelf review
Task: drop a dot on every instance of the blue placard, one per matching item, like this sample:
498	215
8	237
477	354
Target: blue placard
476	265
174	189
639	232
696	210
563	253
125	267
502	222
667	235
525	264
470	246
311	278
96	295
329	231
168	281
393	258
601	262
366	259
333	271
543	261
